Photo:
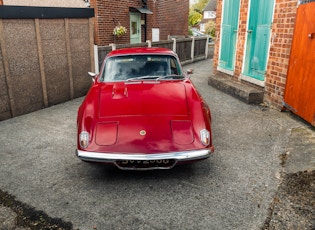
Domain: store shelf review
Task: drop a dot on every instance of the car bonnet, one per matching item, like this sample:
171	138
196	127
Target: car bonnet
143	98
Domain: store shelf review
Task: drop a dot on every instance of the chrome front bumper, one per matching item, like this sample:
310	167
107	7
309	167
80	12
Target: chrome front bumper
114	157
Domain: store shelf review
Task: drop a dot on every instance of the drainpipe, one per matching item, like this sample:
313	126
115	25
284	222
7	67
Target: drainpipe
145	27
145	19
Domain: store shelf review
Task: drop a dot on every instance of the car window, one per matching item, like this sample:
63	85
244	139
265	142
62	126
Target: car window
122	68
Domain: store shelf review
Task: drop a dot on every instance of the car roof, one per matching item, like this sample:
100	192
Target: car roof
140	50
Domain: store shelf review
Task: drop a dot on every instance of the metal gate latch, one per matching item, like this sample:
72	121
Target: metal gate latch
311	35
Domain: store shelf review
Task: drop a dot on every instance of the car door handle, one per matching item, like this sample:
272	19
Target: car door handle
249	31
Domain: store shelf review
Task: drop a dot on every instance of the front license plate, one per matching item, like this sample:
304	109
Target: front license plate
146	164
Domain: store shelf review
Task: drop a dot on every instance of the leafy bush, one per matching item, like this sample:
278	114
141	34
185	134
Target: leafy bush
210	28
194	18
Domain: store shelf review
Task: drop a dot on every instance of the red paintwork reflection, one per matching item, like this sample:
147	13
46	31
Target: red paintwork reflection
182	132
106	133
164	98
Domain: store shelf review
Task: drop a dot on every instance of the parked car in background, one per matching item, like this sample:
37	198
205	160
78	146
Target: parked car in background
143	112
197	33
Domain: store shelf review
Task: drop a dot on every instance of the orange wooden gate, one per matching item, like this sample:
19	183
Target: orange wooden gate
299	96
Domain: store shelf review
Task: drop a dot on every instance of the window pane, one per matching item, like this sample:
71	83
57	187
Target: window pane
133	27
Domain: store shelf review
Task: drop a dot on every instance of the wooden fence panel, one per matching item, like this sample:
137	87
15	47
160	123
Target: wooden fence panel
102	52
168	44
200	47
183	48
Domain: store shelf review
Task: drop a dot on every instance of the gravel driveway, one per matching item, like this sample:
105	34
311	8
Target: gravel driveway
241	186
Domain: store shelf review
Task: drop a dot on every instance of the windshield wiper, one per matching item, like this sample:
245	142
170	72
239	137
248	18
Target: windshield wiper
157	78
171	76
142	78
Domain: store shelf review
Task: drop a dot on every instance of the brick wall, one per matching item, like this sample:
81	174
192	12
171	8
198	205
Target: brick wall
170	16
281	40
108	14
280	46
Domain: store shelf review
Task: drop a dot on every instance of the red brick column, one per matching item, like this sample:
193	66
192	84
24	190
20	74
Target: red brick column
280	48
242	27
217	36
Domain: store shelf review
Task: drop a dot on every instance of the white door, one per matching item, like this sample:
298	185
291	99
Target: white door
135	28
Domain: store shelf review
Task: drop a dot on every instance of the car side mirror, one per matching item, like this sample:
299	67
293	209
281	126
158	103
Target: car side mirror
93	75
190	71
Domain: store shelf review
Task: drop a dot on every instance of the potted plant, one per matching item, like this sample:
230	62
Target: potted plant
119	31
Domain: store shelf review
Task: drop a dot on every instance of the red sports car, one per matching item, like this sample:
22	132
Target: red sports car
143	112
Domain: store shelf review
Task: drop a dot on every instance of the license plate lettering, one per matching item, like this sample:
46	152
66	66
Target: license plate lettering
146	163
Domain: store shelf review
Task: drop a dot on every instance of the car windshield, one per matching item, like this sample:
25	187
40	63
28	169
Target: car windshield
139	67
